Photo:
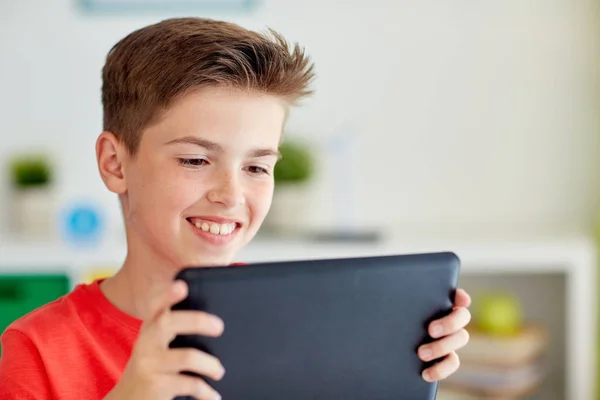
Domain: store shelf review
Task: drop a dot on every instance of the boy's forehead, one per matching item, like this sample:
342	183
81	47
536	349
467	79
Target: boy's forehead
222	115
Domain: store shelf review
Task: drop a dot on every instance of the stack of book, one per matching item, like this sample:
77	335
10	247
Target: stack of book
499	367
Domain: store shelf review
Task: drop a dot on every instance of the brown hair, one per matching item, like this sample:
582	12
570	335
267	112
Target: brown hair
152	67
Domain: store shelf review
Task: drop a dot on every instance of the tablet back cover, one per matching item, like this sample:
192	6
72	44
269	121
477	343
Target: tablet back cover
343	329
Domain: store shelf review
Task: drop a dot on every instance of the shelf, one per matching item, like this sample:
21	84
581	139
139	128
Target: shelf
526	256
573	256
545	255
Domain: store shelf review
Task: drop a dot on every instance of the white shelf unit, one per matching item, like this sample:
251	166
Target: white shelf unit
574	257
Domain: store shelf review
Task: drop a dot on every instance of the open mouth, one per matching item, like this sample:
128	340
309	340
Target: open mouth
214	228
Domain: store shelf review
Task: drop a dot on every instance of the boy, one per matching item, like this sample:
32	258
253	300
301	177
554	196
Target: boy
194	111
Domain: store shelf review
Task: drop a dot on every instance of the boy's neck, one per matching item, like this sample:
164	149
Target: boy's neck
136	286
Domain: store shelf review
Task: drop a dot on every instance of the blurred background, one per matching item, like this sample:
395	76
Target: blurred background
463	126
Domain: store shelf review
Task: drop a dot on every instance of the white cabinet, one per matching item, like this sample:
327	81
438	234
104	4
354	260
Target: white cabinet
573	259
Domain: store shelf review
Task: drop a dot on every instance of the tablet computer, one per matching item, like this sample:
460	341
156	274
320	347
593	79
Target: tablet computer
327	329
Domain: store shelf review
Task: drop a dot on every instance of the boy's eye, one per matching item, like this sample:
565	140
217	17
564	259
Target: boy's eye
192	162
254	169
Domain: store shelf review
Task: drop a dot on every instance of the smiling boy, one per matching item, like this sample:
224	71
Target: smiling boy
194	112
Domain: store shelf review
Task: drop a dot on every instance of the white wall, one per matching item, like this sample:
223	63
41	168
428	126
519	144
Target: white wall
468	115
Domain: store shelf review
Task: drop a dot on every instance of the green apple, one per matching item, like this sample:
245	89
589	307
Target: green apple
498	313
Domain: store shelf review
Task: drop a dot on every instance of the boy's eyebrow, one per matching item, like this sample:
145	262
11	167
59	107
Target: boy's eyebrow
212	146
207	144
265	153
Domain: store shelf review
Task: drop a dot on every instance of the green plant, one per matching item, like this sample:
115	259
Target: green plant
295	165
30	171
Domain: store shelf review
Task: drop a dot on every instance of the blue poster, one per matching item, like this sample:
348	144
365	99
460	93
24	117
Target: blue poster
166	5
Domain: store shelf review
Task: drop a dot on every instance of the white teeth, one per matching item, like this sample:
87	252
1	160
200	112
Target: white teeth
225	229
215	228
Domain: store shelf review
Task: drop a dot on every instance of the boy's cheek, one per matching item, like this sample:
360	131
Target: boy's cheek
260	200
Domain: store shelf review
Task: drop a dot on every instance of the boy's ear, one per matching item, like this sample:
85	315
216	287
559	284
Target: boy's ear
110	155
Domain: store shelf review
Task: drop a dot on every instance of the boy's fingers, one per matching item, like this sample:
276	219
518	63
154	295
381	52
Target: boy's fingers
462	298
443	369
196	361
458	319
186	322
184	385
177	292
195	323
442	347
205	392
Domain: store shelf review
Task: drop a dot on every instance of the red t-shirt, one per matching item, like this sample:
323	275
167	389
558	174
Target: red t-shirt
71	349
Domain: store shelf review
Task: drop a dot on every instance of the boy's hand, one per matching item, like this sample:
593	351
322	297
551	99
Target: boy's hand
451	336
153	371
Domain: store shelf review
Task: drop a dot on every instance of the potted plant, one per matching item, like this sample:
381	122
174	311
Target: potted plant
32	198
292	175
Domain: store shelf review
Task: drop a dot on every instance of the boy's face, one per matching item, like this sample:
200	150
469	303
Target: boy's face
201	183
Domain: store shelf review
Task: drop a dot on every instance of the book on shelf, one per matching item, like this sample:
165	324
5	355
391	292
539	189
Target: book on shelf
445	393
499	367
505	350
497	382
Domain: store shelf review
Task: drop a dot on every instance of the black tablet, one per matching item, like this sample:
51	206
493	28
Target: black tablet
334	329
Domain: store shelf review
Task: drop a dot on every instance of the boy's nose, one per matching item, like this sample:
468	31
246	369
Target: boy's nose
228	192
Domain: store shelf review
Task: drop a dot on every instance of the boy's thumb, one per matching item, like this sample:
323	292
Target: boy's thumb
176	292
